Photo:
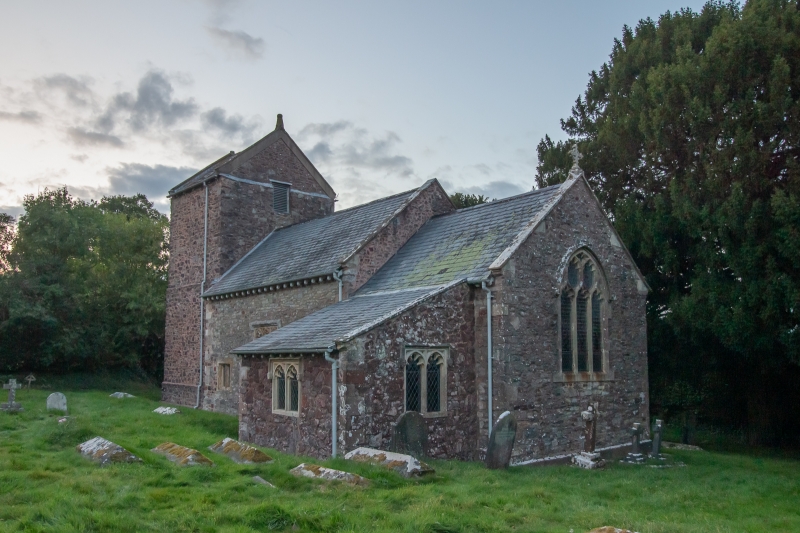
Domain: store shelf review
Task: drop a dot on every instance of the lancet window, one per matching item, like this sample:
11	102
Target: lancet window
582	321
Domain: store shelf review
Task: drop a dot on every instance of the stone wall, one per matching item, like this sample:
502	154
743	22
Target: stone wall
231	323
372	394
306	434
526	336
429	202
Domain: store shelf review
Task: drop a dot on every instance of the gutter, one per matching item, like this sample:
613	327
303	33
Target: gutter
334	397
202	290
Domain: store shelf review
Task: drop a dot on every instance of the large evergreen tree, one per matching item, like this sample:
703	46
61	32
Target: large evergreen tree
86	286
691	137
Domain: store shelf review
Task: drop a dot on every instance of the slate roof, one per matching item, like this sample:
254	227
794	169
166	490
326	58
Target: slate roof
338	322
201	175
462	244
310	248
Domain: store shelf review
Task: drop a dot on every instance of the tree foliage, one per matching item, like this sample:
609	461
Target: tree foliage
86	285
462	200
691	138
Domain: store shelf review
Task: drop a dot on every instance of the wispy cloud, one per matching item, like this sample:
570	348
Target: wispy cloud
238	42
81	137
30	117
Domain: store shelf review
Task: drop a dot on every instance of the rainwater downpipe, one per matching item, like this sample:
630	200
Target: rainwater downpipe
334	397
202	290
337	275
485	287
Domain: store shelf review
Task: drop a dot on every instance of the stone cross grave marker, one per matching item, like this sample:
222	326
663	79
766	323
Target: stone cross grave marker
410	434
588	458
57	401
657	429
501	442
635	455
12	405
30	378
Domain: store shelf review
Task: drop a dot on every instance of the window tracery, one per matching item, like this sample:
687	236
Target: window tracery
425	380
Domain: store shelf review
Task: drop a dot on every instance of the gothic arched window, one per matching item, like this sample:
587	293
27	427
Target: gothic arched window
581	317
286	393
426	378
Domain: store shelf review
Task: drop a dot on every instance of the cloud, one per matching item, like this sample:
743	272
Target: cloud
238	42
30	117
153	105
152	181
495	189
82	137
13	210
76	91
80	158
230	126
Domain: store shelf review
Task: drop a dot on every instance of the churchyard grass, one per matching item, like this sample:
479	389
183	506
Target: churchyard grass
45	485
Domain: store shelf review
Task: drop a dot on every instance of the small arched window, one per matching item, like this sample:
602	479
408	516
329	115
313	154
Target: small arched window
426	378
286	393
581	317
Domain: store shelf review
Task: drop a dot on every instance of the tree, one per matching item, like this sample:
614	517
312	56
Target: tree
462	200
87	284
6	235
691	138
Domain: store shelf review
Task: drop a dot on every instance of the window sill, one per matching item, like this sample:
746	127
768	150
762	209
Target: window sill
438	414
295	414
582	377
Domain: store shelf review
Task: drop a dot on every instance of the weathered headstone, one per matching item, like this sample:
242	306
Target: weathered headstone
635	455
501	441
181	455
410	434
588	458
405	465
657	429
30	378
121	395
261	480
105	452
57	402
329	474
240	452
12	406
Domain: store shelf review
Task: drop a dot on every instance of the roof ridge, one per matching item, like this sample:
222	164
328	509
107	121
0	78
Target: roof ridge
506	199
375	201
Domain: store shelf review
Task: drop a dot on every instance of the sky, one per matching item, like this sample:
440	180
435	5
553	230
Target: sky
128	97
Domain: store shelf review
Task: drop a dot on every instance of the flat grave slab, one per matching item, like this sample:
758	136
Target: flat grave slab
121	395
166	410
106	452
240	452
328	474
405	465
181	455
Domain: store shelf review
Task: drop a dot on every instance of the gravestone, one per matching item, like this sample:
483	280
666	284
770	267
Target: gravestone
12	406
57	401
181	455
588	458
410	434
405	465
30	378
657	429
635	455
239	452
501	441
106	452
121	395
328	474
166	410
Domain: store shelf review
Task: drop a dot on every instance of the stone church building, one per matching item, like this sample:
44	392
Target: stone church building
319	327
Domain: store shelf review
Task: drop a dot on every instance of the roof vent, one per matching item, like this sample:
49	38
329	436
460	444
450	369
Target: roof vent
280	197
279	124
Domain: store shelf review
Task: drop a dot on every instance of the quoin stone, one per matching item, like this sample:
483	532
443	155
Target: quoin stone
501	441
12	406
411	434
57	402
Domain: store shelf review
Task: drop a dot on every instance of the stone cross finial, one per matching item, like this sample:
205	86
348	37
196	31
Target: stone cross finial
576	156
29	379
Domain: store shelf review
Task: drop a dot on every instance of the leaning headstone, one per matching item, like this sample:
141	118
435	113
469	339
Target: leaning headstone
106	452
57	402
501	441
12	406
240	452
30	378
657	429
405	465
588	458
181	455
328	474
121	395
635	455
410	434
166	410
